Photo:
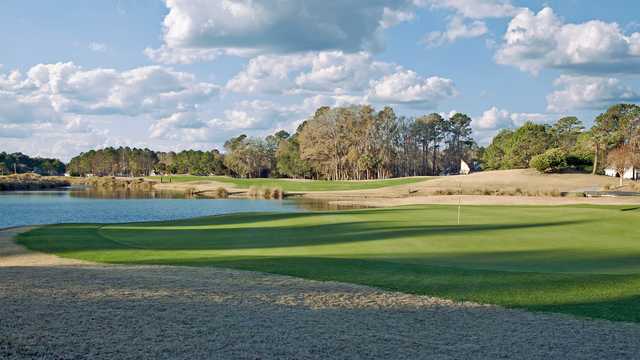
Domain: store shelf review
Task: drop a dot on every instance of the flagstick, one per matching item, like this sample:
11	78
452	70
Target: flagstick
459	200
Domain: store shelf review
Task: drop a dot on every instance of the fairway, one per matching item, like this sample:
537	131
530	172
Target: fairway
581	260
299	185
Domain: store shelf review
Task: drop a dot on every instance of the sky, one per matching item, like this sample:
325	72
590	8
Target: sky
189	74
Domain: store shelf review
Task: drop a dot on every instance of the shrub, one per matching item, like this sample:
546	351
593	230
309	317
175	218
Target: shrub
552	160
277	193
253	192
579	161
222	193
266	193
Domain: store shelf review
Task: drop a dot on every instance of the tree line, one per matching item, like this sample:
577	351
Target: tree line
342	143
126	161
20	163
612	142
359	143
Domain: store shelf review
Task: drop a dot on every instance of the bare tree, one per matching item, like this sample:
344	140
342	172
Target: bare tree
621	159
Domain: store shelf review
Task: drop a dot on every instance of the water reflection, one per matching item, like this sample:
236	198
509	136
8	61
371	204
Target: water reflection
94	193
87	205
324	205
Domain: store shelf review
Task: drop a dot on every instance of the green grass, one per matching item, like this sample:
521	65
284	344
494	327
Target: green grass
299	185
580	260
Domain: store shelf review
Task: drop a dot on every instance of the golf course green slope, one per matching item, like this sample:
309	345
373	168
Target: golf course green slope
580	260
299	185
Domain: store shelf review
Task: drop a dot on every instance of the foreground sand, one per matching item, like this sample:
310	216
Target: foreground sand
62	309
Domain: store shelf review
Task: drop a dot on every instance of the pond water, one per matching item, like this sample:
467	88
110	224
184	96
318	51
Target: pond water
87	206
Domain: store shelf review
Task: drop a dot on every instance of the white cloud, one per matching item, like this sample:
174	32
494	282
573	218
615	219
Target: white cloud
256	117
165	55
328	71
339	73
21	108
391	17
456	29
487	125
536	41
269	74
98	47
341	77
61	141
588	92
474	9
70	108
407	87
275	26
49	91
184	126
496	119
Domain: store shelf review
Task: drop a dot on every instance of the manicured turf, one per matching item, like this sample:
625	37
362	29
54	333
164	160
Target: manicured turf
578	260
299	185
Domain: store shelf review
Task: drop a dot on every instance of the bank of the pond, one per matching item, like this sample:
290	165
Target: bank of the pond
31	182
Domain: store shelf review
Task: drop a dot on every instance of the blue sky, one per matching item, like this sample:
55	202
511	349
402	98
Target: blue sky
191	73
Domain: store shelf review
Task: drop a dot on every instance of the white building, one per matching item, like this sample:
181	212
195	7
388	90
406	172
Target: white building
464	168
631	173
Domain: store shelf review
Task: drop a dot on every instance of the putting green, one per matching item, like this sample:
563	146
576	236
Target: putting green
582	260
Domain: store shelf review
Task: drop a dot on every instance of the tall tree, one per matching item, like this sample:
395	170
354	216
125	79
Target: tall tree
458	139
565	132
498	154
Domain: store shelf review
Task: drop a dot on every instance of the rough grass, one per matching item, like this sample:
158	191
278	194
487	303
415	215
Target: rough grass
289	185
506	192
581	260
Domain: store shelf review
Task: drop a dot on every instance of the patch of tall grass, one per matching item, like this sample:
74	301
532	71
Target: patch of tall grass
266	193
505	192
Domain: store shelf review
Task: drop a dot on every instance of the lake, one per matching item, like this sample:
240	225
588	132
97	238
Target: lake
88	206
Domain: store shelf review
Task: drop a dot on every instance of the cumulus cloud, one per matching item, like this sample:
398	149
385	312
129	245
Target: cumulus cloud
456	29
342	76
68	106
269	74
329	71
181	126
49	91
166	55
340	73
256	117
589	92
391	17
203	28
494	119
536	41
458	26
407	87
474	9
